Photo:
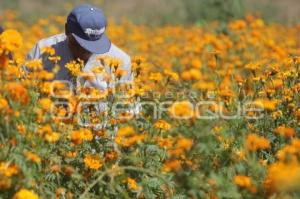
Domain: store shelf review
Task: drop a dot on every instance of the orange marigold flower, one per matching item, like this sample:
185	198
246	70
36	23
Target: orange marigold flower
71	154
182	109
242	181
81	135
283	177
33	157
111	155
196	63
238	25
92	162
255	142
3	104
18	92
165	142
291	151
184	143
8	170
132	184
285	131
172	165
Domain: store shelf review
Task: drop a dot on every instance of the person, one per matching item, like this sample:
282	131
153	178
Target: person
85	39
1	30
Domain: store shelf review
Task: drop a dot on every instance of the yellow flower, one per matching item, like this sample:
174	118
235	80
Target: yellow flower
3	104
252	66
43	130
25	194
125	131
242	181
74	67
8	170
34	65
267	104
163	125
157	77
172	75
55	59
92	162
204	85
192	74
132	184
81	135
10	41
182	109
71	154
126	136
45	104
48	50
52	137
111	62
21	129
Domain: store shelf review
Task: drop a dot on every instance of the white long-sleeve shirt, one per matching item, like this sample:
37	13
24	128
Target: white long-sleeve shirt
60	44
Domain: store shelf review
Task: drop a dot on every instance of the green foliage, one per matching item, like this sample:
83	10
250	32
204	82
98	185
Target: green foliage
221	10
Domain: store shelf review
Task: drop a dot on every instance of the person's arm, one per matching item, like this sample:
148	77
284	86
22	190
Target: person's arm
128	77
34	53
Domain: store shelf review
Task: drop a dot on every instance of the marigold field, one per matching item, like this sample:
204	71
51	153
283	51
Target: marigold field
166	149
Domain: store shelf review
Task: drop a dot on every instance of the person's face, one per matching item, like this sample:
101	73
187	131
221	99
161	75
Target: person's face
77	51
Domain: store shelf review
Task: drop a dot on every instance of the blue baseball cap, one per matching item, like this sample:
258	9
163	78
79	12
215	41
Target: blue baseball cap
87	24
